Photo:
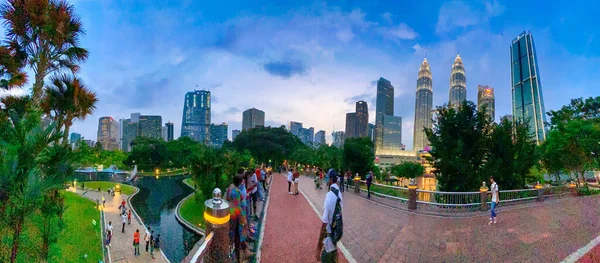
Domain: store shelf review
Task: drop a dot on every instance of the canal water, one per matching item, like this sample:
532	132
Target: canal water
155	204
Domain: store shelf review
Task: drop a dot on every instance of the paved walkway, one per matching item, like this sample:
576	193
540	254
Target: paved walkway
121	249
292	227
376	233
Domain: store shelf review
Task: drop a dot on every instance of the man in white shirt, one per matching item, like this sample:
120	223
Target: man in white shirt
109	229
124	219
147	238
290	177
495	200
326	248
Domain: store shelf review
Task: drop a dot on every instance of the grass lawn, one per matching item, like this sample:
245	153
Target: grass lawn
78	236
192	210
125	189
189	181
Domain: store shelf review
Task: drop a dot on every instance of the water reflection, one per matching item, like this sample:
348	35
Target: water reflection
423	183
156	203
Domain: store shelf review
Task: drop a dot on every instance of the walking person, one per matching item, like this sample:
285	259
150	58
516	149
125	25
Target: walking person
331	229
136	243
296	176
129	217
103	201
109	231
259	190
341	179
290	178
156	244
152	244
238	222
495	201
124	219
320	178
369	182
252	188
348	178
147	238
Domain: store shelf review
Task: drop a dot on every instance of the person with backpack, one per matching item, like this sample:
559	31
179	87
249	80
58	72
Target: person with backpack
332	229
369	182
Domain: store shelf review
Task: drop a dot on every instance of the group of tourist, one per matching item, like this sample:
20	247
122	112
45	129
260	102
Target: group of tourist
293	178
152	242
247	189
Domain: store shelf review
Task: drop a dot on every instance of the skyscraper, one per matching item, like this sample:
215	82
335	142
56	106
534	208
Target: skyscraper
234	134
218	134
338	138
170	131
164	133
485	97
392	133
75	137
385	106
295	128
423	105
307	135
320	137
130	131
458	83
150	126
108	133
351	124
371	132
252	118
362	119
196	115
527	99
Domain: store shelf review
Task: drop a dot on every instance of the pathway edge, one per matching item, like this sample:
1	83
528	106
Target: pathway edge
263	223
182	220
581	251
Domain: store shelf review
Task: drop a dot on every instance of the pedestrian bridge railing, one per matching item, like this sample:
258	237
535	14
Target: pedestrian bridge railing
441	201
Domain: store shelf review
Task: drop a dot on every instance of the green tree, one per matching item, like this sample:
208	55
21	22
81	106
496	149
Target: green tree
47	33
459	144
358	155
267	143
408	170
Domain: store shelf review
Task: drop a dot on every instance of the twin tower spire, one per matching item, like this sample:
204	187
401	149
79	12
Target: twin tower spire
424	98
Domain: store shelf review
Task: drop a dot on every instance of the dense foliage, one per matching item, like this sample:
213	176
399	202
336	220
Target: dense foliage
268	144
359	156
467	148
408	170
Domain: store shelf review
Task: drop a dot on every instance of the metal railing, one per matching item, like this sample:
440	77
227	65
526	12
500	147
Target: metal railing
387	191
449	201
202	252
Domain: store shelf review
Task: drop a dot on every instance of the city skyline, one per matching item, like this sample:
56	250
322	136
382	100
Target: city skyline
324	68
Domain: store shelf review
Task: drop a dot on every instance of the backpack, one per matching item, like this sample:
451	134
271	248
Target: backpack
337	222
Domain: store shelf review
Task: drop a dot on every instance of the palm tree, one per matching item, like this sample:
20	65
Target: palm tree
48	32
67	99
12	61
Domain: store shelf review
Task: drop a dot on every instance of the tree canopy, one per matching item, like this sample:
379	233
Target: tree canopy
268	143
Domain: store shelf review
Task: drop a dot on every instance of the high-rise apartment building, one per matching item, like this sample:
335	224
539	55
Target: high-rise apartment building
234	134
423	106
351	125
385	106
458	84
150	126
252	118
362	119
486	98
307	135
108	133
129	131
295	128
527	98
75	137
392	133
170	131
320	137
218	134
196	115
338	138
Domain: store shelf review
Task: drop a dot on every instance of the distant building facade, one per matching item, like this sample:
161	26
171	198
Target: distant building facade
108	133
252	118
234	134
371	132
458	84
392	133
338	138
351	125
150	126
486	98
385	106
170	131
74	138
196	115
320	138
218	134
295	128
423	106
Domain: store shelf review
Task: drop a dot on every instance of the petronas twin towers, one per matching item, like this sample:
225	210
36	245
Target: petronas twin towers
424	98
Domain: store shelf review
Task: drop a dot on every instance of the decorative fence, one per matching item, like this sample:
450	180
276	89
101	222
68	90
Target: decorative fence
456	202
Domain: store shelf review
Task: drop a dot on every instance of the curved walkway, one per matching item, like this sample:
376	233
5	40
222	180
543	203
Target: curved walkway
292	227
121	249
377	233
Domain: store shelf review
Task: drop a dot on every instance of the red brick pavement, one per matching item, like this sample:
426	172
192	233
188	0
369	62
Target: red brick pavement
593	256
292	227
547	233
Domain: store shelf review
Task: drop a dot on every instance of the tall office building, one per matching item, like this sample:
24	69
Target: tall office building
351	125
527	99
234	134
385	106
108	133
150	126
218	134
170	131
320	137
307	135
485	97
75	137
129	131
392	133
458	83
338	138
295	128
362	119
252	118
164	133
423	105
196	115
371	132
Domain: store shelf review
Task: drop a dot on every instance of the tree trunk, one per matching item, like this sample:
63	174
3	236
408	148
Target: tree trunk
67	127
16	236
38	85
583	177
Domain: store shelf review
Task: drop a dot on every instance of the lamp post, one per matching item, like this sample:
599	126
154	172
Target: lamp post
412	195
216	216
483	196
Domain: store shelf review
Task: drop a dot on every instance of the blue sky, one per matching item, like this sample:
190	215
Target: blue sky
310	61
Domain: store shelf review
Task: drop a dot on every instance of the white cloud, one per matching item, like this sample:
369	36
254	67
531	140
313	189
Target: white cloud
401	31
463	14
387	16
